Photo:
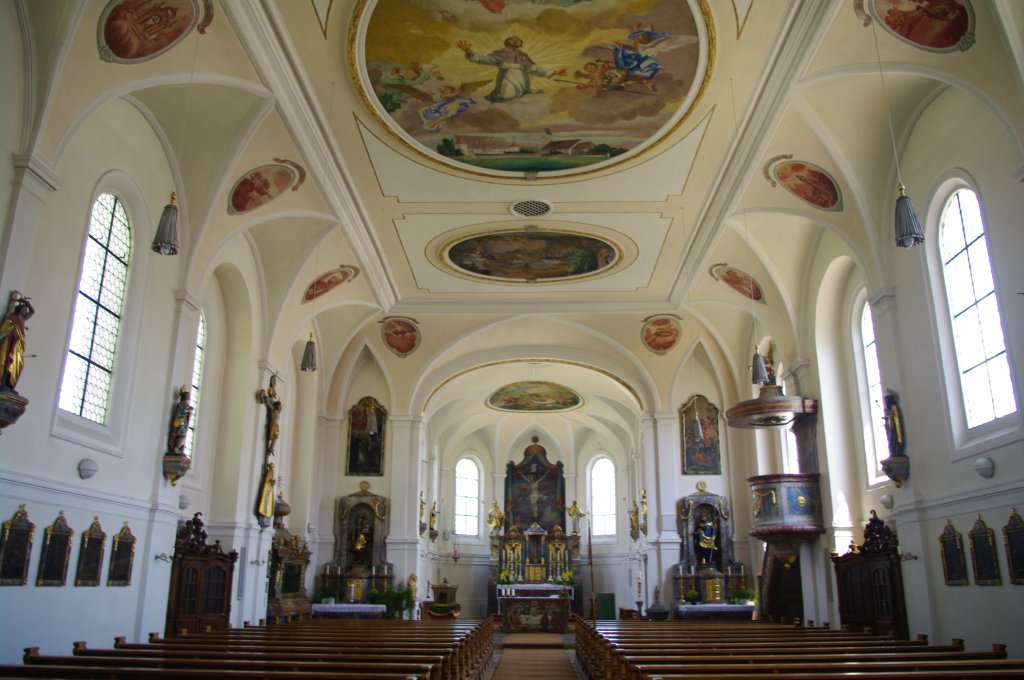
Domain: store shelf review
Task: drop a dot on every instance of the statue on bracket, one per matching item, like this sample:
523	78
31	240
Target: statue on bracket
12	354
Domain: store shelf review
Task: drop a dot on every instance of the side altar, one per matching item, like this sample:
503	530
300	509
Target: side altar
533	560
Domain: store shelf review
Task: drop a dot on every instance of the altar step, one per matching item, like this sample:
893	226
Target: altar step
533	641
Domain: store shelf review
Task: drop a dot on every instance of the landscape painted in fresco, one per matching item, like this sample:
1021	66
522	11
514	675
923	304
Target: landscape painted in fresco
530	256
545	86
534	395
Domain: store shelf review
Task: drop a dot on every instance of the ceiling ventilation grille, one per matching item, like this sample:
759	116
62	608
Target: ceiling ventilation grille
531	208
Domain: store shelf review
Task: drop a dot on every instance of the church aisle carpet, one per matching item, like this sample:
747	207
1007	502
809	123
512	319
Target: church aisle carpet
517	663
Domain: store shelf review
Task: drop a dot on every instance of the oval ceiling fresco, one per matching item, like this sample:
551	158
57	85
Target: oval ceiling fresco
534	395
545	87
531	256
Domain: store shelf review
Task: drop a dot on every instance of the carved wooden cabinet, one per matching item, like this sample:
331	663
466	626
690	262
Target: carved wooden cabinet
869	583
201	581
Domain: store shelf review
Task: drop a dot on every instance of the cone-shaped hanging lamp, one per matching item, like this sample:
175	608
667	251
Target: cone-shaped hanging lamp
309	356
166	240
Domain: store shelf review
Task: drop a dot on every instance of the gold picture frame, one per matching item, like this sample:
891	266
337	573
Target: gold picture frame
122	556
1013	541
983	554
53	560
90	555
16	548
954	564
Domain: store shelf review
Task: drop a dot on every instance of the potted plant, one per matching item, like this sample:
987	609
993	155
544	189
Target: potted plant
743	595
692	596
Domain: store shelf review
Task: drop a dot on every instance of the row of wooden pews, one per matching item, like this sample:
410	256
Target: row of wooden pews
706	650
312	648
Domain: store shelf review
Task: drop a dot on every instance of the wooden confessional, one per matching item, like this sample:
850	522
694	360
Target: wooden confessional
201	578
869	583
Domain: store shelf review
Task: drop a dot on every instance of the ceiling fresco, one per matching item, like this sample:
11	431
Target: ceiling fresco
552	87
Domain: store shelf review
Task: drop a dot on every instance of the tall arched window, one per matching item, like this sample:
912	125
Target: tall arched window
977	326
197	381
876	447
602	497
92	352
467	497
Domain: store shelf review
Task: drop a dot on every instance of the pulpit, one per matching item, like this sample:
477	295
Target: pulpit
529	546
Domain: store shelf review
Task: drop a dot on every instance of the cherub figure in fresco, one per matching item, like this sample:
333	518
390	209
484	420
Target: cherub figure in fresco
633	57
449	103
514	69
406	80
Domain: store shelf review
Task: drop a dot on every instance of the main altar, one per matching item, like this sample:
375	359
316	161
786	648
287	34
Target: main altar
533	559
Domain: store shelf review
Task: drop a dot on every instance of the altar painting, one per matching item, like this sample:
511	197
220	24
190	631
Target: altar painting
701	447
549	86
366	422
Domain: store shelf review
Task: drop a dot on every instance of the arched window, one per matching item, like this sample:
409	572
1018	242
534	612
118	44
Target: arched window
876	447
92	352
467	497
602	497
977	326
197	381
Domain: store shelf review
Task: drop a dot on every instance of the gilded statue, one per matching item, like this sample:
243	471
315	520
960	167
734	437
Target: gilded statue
265	507
179	423
433	515
12	339
268	398
706	542
634	518
495	518
575	513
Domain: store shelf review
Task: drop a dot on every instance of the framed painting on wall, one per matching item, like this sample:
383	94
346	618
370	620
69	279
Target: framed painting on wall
90	555
954	565
122	556
702	453
15	548
366	421
53	561
983	554
1013	541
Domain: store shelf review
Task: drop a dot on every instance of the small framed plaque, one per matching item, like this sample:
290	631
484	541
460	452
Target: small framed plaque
90	556
122	554
1013	541
15	548
53	562
983	554
954	565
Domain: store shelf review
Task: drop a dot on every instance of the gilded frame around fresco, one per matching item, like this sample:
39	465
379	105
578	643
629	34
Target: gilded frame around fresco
954	564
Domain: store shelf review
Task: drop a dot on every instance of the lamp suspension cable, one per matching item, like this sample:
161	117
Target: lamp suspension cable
758	374
165	241
909	232
309	354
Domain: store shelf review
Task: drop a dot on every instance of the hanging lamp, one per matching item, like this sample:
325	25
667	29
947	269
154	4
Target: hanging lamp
908	228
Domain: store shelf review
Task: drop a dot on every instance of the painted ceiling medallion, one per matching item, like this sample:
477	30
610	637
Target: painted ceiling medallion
931	25
740	281
660	333
401	334
532	255
807	181
263	184
534	395
328	281
134	31
548	87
